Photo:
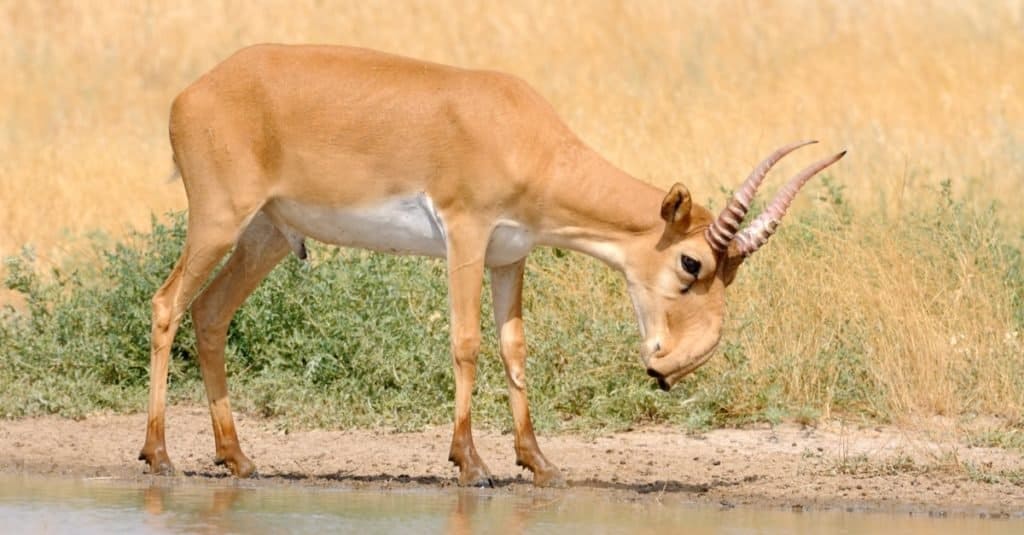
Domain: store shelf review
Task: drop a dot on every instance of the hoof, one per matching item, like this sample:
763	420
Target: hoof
472	470
158	461
545	474
239	465
552	479
484	482
475	476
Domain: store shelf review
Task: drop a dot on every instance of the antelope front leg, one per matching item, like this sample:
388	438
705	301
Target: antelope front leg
507	289
466	249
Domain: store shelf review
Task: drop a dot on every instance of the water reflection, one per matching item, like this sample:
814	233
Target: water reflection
228	509
209	516
185	506
471	506
458	521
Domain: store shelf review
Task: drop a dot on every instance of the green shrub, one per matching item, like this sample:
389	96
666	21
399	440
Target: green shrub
354	338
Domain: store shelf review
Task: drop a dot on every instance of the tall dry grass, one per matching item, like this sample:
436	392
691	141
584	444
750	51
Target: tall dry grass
920	92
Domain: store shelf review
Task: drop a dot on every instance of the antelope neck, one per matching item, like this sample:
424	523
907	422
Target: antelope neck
597	209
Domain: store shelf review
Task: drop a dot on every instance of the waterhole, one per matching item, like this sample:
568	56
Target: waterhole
47	505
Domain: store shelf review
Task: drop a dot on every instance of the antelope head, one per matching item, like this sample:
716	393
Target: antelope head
680	296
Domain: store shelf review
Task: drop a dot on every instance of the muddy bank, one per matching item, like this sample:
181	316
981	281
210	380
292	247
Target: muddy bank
834	466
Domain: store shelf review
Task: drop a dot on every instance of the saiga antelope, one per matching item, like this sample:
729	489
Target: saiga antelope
363	149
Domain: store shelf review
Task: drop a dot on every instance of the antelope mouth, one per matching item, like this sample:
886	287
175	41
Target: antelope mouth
667	381
663	384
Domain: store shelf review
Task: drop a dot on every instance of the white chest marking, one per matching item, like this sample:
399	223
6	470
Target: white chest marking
402	225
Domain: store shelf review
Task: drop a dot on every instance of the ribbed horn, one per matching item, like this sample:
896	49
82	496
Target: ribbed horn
763	226
723	229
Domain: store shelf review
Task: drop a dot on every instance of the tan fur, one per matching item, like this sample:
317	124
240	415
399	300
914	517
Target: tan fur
347	127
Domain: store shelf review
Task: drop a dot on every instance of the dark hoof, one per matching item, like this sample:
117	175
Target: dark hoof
159	464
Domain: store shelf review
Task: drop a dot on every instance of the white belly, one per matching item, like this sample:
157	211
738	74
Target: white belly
403	225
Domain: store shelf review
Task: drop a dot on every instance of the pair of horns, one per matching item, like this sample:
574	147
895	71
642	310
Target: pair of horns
722	231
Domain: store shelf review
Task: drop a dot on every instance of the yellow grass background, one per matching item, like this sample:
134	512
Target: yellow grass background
918	91
692	91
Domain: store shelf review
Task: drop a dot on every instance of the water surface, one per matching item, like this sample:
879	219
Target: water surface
43	505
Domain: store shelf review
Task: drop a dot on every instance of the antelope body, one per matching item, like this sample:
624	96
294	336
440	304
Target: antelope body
359	148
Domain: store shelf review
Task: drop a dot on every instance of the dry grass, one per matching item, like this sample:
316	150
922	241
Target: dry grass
920	92
921	314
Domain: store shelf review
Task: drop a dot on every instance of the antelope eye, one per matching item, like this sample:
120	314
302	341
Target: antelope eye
691	265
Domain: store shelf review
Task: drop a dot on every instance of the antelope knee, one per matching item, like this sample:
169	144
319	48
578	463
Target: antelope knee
513	348
465	348
161	314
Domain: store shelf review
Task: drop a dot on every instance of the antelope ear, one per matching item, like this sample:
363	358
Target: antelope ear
677	204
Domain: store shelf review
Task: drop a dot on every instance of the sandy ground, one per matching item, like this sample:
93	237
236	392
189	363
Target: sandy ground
834	466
